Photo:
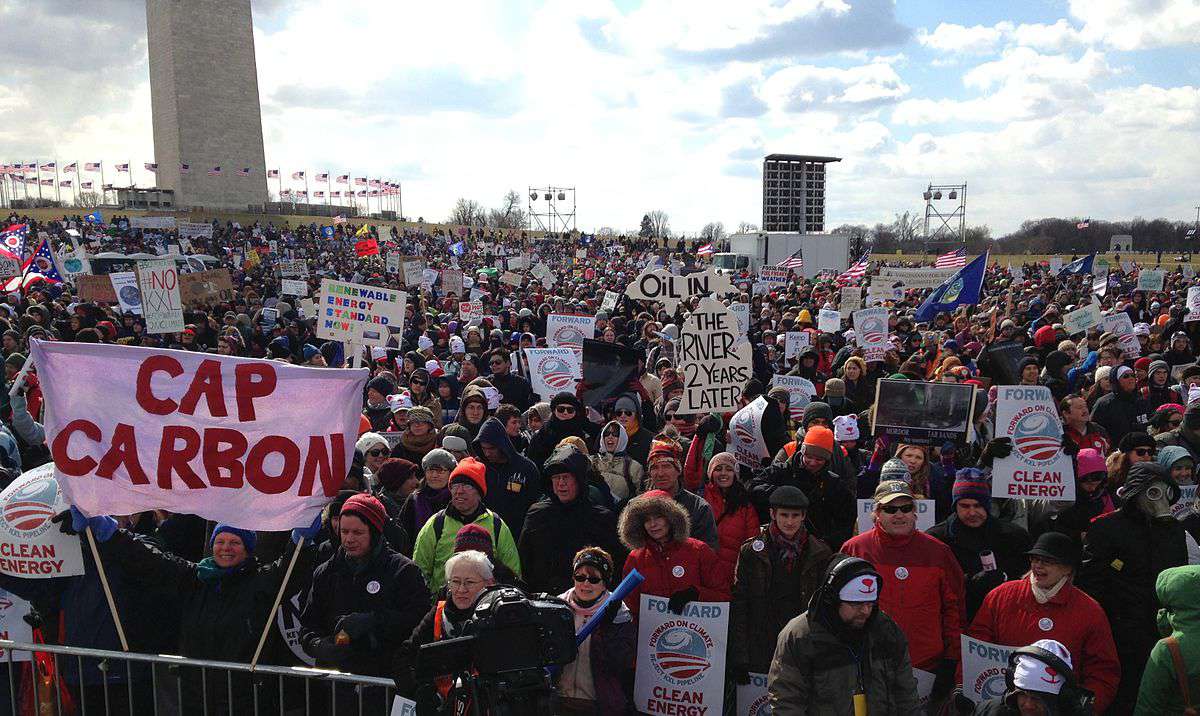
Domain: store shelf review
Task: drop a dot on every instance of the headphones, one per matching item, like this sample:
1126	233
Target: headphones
1073	699
855	566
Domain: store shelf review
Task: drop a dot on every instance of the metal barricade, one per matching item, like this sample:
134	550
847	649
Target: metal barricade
87	682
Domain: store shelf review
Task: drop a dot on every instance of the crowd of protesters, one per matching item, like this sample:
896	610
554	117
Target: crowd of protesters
463	478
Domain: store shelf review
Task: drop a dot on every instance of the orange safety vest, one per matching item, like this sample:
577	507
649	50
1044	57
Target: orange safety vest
443	683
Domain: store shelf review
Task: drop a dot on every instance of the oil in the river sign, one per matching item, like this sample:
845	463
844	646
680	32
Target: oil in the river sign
715	366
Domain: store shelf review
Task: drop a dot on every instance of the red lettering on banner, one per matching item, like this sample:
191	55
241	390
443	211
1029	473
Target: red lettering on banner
206	384
247	389
123	451
145	398
175	460
318	460
216	459
256	474
58	449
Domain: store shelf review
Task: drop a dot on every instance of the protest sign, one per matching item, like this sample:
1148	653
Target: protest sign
1082	319
13	626
1186	505
510	278
428	278
1150	280
871	332
287	621
881	293
1193	304
452	282
402	706
984	666
96	288
517	263
203	286
713	363
610	301
553	370
794	342
581	253
233	440
291	287
366	247
9	267
923	413
190	229
565	330
773	275
741	312
607	368
543	273
752	699
829	321
745	434
162	307
354	313
152	222
292	268
916	277
1119	324
1056	264
669	289
1100	283
470	311
850	301
681	658
801	392
413	272
125	285
866	514
925	681
1036	468
31	546
392	264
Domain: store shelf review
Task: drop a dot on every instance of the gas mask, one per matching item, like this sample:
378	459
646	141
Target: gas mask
1155	502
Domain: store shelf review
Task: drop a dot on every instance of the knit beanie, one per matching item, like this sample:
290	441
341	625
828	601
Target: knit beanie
818	442
249	537
970	484
371	440
817	409
663	450
394	472
367	508
1089	460
420	414
473	537
722	458
835	388
438	457
845	428
470	472
381	385
894	469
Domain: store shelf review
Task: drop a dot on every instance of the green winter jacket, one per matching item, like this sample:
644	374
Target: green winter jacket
1178	590
432	550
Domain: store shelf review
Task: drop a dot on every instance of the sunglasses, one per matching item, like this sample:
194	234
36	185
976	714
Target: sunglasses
628	413
377	453
684	418
891	510
585	578
1143	452
1098	477
564	409
417	382
1175	423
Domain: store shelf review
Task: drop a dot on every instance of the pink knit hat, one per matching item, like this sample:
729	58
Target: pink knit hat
1090	461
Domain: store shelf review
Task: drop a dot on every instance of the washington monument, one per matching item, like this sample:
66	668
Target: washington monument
204	100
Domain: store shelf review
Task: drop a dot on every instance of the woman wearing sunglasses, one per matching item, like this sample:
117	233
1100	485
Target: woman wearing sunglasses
597	681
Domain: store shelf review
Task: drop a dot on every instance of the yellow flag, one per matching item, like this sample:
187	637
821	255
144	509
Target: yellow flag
363	230
252	258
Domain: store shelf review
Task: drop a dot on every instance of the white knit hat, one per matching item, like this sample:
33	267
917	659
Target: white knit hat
845	428
1033	674
863	588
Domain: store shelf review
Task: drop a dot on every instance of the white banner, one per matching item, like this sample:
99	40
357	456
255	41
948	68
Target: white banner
31	546
188	228
152	222
233	440
794	342
564	330
158	283
866	515
354	313
681	658
125	285
1119	324
553	370
712	362
1082	319
745	434
293	287
752	698
1150	280
871	332
292	268
1193	304
801	392
1037	468
829	321
916	277
984	666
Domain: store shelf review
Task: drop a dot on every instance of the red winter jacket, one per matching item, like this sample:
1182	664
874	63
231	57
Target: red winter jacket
923	591
679	565
1010	616
732	530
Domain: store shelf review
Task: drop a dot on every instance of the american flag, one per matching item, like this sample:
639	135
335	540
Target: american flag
335	194
339	219
952	259
374	192
301	192
375	183
185	168
48	167
124	168
297	175
92	166
360	181
65	183
215	172
31	166
47	182
705	250
244	172
150	167
85	185
319	194
108	187
70	168
1083	224
363	192
343	179
323	176
272	173
792	262
855	273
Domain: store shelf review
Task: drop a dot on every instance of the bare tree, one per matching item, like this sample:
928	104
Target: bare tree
511	214
468	212
907	226
606	231
745	227
713	231
660	223
89	199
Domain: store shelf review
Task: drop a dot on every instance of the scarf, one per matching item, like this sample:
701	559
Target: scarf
427	501
789	549
584	612
1044	595
208	572
419	445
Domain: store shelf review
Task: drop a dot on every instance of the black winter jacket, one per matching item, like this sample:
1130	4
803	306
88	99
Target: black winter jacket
1007	542
832	511
512	486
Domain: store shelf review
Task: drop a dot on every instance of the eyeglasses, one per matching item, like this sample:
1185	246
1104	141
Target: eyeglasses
464	583
496	363
417	382
564	409
628	413
1143	451
377	453
891	510
585	578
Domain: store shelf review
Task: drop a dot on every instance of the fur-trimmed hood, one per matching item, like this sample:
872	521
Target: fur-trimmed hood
630	529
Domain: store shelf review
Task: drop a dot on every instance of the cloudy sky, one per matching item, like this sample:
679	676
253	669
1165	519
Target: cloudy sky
1044	107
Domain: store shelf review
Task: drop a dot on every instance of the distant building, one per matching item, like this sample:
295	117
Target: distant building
204	102
794	192
142	198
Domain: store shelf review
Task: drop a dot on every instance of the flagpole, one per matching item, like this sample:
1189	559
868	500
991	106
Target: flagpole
78	188
112	605
328	192
130	165
103	191
278	598
400	196
306	194
57	188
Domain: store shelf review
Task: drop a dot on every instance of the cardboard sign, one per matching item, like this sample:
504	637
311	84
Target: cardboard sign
611	297
291	287
190	229
1119	324
1082	319
713	363
773	275
393	262
925	514
9	267
564	330
354	313
662	286
162	307
752	698
984	666
206	286
553	370
850	301
794	342
741	311
829	321
470	311
1150	280
680	658
125	285
96	288
1037	468
292	268
801	392
510	278
745	434
923	413
871	332
413	272
31	546
1193	304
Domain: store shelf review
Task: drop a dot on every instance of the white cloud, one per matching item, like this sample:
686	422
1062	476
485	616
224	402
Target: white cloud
978	39
808	87
1057	37
1023	65
1139	24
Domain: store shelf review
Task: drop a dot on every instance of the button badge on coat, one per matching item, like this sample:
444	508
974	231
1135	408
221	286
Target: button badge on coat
372	587
901	573
677	570
1045	623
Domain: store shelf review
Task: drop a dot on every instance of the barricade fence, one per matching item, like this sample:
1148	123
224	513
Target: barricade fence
54	680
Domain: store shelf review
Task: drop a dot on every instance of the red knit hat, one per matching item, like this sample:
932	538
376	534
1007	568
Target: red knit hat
663	450
474	537
471	472
368	508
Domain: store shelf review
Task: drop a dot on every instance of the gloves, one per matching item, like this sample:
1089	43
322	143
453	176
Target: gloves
358	625
987	581
73	522
960	704
709	424
998	448
943	680
1069	447
680	599
740	674
327	651
610	612
308	533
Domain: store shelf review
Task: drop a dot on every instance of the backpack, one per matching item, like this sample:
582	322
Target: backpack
439	524
1181	675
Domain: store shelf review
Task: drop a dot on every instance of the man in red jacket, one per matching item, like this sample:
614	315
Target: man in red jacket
923	586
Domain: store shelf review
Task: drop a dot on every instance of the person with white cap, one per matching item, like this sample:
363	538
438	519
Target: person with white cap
1040	682
847	434
1123	409
844	655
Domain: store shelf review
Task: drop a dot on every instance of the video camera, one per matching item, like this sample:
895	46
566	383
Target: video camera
502	657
